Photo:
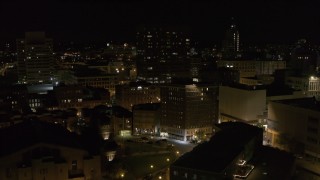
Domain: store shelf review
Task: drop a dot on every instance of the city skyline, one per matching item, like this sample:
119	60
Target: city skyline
159	90
82	21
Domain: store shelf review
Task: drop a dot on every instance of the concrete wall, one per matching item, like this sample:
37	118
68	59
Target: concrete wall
240	104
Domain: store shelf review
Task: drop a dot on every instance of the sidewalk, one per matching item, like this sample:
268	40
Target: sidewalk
150	153
309	165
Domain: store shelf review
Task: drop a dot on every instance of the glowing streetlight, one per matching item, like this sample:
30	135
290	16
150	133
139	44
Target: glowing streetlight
168	159
122	175
160	177
178	152
151	166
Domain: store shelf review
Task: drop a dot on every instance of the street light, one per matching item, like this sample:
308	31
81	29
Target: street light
168	159
122	175
151	166
160	177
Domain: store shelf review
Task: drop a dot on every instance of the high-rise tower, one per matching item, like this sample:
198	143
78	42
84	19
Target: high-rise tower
35	59
187	109
162	54
305	59
231	43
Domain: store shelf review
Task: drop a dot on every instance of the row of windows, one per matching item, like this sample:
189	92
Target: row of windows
35	105
305	57
69	100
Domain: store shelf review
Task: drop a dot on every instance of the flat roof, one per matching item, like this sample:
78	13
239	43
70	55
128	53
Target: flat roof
214	156
271	163
307	103
31	132
147	106
247	87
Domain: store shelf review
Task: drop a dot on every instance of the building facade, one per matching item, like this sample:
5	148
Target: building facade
252	68
187	110
269	67
310	86
162	54
128	95
305	58
231	43
242	103
35	59
293	125
146	118
76	96
45	151
96	78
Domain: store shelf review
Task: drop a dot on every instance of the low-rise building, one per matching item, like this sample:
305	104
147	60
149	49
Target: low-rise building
234	151
38	150
96	78
76	96
146	118
294	125
128	95
249	68
242	103
310	86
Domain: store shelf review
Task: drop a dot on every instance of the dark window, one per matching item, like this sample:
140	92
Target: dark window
312	140
74	165
312	130
9	172
312	120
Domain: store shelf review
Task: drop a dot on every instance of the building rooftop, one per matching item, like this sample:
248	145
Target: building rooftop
117	111
121	112
306	103
147	106
279	90
83	71
98	63
185	83
271	163
139	83
215	155
31	132
247	87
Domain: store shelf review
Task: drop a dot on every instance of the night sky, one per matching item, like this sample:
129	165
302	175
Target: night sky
259	21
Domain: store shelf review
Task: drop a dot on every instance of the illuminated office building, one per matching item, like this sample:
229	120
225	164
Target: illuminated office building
231	43
187	110
128	95
35	59
162	54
